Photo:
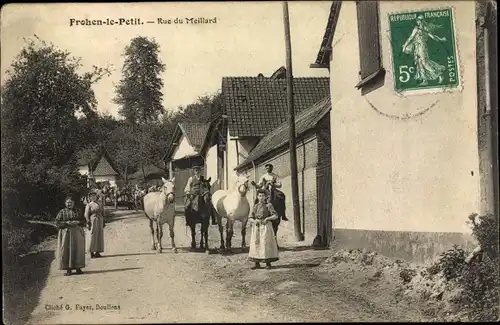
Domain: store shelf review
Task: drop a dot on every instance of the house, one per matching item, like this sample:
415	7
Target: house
150	174
254	106
184	152
412	154
312	127
96	164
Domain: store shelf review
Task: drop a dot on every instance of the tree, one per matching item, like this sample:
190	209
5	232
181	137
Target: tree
139	92
40	132
123	146
202	110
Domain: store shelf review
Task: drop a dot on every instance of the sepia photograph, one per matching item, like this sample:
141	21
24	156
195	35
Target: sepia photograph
250	162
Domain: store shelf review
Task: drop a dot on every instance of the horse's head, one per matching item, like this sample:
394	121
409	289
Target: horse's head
242	185
206	190
168	189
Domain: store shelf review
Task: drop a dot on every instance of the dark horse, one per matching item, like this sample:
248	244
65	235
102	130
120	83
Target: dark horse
200	211
277	199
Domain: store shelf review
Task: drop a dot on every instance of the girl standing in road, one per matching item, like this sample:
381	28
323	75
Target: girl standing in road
263	246
70	239
95	222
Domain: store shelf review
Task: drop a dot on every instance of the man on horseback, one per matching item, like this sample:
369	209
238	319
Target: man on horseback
270	178
192	189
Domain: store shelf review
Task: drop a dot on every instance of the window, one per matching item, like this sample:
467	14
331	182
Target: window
370	57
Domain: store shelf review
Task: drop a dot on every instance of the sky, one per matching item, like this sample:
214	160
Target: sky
247	39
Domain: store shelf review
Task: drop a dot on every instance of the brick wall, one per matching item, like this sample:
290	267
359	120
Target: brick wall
307	159
324	180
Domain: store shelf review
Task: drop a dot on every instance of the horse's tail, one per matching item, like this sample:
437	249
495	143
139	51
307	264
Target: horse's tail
213	215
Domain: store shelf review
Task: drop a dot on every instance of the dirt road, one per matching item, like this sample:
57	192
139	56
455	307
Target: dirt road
132	284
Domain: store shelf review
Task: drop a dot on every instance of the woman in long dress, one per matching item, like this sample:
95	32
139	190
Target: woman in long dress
426	69
263	245
70	239
95	222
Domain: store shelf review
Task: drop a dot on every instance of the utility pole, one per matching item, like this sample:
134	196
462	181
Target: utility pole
291	121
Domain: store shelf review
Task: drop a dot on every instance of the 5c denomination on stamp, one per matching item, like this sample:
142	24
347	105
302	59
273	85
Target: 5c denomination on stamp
424	51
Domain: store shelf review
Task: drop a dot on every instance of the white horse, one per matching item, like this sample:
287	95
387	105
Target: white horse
232	205
159	207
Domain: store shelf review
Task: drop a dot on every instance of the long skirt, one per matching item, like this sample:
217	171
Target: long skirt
263	246
96	234
71	248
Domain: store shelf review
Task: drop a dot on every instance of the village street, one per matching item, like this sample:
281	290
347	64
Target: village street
197	287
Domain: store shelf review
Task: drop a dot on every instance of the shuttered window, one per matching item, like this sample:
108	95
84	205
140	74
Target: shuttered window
370	57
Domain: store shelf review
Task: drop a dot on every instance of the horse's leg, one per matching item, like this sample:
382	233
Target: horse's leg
172	236
221	231
159	234
204	232
229	233
192	225
152	234
243	233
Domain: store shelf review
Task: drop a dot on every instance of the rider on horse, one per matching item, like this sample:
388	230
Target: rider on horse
192	189
271	178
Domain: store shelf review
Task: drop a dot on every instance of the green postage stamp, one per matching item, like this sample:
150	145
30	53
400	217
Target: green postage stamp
424	51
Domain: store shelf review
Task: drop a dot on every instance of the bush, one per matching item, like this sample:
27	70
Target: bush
16	239
480	278
450	263
480	284
485	230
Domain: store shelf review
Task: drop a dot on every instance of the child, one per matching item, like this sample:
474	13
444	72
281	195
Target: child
263	247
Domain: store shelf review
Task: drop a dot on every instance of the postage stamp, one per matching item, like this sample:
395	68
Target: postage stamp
424	51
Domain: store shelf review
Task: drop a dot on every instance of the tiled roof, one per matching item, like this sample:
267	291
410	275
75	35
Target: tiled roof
277	138
149	170
257	105
195	132
104	168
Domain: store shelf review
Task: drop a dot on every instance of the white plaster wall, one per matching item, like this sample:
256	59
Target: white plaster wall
237	152
111	179
211	163
83	170
420	174
184	149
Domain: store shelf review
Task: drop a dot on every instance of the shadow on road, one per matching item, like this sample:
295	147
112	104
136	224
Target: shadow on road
24	280
301	248
112	270
132	215
230	251
130	254
295	266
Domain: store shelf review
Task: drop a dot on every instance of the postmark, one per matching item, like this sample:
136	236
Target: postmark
424	51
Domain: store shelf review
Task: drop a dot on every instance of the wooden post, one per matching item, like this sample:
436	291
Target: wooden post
291	121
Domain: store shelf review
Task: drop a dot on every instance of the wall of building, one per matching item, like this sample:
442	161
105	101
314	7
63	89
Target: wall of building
307	159
83	170
237	151
324	181
487	74
211	161
184	149
111	179
392	173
